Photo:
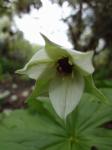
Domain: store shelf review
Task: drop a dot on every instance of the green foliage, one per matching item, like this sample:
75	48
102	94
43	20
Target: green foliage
23	130
24	5
14	49
104	83
19	48
14	52
17	6
8	65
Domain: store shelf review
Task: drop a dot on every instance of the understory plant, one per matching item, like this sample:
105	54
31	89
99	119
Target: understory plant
68	74
66	111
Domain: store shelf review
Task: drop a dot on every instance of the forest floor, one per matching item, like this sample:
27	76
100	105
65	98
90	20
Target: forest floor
13	93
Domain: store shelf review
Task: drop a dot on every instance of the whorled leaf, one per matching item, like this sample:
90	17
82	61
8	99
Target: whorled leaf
83	128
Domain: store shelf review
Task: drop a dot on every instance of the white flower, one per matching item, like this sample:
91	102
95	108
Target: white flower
68	71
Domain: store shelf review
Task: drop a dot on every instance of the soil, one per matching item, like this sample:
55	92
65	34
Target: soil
14	92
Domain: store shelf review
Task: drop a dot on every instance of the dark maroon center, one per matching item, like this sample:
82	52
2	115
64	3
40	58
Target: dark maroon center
64	66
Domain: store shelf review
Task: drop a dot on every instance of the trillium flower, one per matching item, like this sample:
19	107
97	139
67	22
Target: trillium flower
68	71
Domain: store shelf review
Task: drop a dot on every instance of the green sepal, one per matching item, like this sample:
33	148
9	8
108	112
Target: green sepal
91	88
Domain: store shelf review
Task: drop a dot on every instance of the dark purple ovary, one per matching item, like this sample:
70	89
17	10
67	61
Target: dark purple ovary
64	66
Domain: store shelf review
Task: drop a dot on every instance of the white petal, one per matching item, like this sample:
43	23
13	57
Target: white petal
35	71
53	50
36	66
39	56
65	94
83	60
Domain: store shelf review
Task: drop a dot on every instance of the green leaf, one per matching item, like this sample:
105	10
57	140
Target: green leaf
88	120
24	131
12	146
83	129
103	139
